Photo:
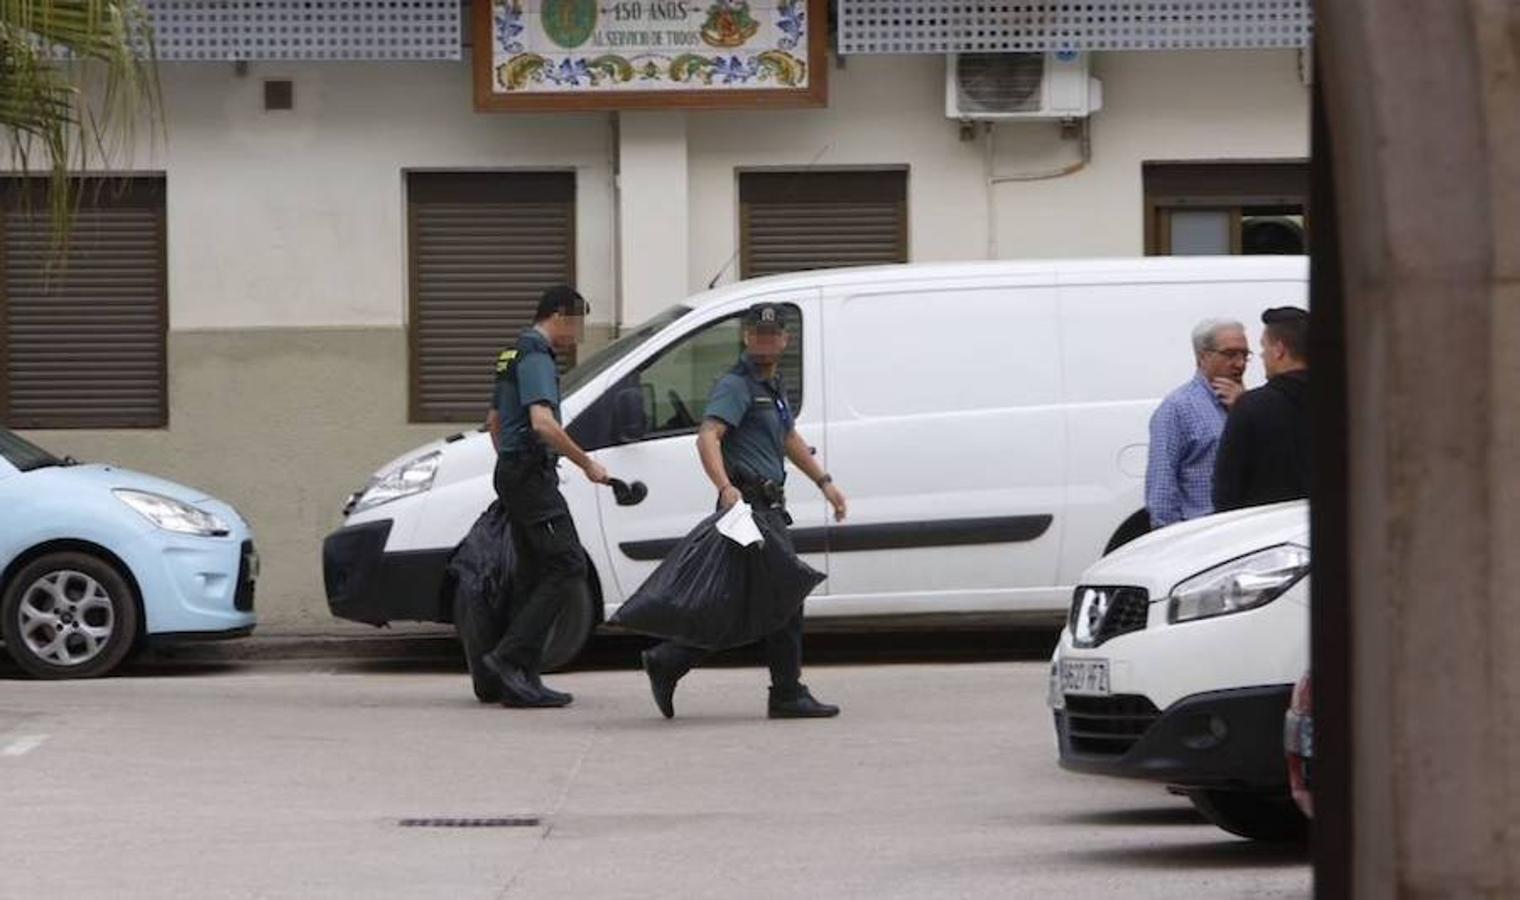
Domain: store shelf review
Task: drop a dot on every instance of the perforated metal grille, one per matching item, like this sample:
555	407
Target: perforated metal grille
967	26
190	30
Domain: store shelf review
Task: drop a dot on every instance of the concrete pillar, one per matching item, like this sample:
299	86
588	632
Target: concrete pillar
652	212
1423	107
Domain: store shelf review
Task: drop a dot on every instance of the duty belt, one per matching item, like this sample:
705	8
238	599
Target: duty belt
536	455
763	494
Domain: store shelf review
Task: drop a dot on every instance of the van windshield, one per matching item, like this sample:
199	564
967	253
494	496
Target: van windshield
23	454
601	360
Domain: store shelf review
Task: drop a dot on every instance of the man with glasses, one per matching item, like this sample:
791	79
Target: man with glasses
1185	429
1264	452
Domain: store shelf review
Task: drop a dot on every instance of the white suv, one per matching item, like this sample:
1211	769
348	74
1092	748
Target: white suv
1179	658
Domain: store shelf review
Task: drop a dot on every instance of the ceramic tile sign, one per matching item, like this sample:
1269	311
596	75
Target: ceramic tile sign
619	54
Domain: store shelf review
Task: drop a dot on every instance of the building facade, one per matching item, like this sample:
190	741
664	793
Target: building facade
309	273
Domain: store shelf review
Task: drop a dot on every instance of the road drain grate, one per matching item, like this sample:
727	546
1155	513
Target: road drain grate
497	822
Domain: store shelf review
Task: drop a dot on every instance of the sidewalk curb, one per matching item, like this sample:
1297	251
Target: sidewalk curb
440	645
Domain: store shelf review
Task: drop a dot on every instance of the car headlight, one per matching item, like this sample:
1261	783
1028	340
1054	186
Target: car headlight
412	477
1240	584
173	515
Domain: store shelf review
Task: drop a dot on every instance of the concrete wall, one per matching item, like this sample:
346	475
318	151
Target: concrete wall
282	424
287	275
1423	106
297	219
890	111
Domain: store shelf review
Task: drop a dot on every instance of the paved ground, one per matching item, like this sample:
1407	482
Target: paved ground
288	779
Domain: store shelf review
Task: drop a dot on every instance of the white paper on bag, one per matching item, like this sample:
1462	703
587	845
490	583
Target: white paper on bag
738	525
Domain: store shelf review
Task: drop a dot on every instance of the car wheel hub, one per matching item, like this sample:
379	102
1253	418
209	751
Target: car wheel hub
66	618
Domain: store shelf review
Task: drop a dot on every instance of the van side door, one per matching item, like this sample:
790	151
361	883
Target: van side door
672	386
946	432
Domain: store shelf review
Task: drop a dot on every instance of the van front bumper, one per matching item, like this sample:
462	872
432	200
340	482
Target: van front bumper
366	584
1229	739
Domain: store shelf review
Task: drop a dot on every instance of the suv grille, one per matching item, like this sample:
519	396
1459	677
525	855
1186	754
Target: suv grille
1108	726
1099	614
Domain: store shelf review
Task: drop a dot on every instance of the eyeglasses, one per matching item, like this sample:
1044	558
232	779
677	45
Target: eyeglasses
1233	355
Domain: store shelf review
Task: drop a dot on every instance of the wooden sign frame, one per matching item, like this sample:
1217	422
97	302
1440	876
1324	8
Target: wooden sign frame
487	99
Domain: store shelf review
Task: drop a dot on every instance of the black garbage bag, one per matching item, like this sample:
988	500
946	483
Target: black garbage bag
714	594
481	570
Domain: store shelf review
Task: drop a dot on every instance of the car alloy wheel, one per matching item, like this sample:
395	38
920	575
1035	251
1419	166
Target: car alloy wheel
67	618
69	614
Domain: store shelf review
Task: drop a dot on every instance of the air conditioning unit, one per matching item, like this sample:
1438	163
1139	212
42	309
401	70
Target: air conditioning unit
1014	86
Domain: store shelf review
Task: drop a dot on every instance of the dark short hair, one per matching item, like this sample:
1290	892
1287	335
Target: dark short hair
562	298
1289	326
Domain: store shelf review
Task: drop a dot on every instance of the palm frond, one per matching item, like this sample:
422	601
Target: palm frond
77	79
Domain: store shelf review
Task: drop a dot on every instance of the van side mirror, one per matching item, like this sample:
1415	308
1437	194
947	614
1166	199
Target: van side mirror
629	423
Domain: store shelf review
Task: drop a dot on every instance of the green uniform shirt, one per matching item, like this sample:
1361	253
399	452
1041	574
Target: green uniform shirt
758	420
525	376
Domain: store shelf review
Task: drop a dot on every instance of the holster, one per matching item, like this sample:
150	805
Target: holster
764	495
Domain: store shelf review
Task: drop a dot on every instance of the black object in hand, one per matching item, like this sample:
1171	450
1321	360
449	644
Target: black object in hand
628	494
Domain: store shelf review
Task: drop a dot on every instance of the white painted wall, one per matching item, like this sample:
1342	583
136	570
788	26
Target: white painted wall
652	210
297	219
889	110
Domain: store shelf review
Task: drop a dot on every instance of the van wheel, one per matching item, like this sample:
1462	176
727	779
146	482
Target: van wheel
1260	817
571	631
68	615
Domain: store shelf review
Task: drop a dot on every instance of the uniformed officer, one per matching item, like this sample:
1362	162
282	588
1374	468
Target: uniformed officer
746	437
524	425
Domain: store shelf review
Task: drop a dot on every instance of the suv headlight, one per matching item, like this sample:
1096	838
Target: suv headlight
1240	584
412	477
173	515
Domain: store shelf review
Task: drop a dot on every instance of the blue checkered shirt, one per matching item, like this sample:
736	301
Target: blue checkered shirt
1185	430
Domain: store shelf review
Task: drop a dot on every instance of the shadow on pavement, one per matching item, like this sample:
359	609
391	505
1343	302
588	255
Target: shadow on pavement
1225	853
621	651
617	652
142	667
1148	815
609	652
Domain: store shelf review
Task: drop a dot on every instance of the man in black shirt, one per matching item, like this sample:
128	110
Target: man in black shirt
1264	454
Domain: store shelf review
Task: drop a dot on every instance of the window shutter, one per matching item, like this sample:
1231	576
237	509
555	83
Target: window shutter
793	221
483	247
1182	197
84	332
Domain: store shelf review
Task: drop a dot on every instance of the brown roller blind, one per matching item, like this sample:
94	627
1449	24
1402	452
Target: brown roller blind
83	333
1255	206
791	221
483	247
1223	183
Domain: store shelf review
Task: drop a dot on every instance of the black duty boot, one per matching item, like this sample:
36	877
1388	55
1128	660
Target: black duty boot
563	698
516	689
662	683
799	703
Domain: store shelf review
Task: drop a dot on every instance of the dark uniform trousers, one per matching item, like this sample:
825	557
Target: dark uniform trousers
552	563
783	647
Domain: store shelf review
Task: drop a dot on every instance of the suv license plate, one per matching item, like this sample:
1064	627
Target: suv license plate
1087	677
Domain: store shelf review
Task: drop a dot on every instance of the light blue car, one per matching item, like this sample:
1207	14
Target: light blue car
95	561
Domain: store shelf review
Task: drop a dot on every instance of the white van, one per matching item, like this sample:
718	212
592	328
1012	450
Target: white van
988	422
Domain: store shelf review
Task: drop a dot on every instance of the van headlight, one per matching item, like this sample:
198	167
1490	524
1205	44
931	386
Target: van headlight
411	477
1240	584
171	514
